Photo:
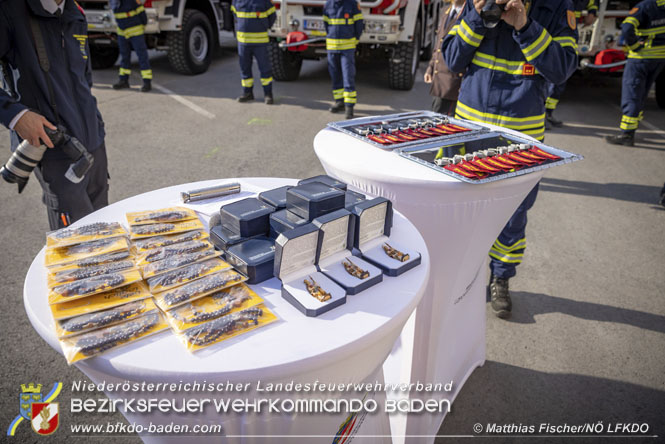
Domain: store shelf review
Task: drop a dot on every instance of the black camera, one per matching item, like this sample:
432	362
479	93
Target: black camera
491	13
26	157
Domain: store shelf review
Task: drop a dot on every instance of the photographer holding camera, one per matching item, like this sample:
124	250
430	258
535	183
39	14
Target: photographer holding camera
48	102
510	50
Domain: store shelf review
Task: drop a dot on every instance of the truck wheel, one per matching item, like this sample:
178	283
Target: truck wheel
190	50
285	64
103	57
404	62
660	89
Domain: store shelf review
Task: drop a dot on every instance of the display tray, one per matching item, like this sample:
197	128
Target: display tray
470	160
395	131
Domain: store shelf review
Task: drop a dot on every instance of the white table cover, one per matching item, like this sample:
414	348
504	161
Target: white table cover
345	345
445	341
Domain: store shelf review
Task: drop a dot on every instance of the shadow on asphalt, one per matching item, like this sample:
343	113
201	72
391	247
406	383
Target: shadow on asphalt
619	191
543	304
507	394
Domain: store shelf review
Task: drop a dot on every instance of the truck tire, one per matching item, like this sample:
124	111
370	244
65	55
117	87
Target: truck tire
660	89
103	57
190	49
286	65
403	64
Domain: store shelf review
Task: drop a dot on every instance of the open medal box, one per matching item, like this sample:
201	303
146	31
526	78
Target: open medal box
396	131
488	157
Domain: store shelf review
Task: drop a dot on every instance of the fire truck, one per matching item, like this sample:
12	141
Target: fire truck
188	30
401	31
599	47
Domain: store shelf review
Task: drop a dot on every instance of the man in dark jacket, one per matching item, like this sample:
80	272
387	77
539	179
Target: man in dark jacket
445	83
344	25
131	18
69	102
253	18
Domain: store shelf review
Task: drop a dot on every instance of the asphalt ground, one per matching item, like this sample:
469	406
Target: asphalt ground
586	341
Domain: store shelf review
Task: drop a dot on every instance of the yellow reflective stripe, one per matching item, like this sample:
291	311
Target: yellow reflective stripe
578	14
125	71
516	246
453	31
538	134
341	44
513	67
338	93
632	21
357	17
657	52
551	103
517	123
342	21
350	96
123	15
252	37
503	258
247	83
566	42
146	74
536	48
266	81
252	15
650	31
467	34
635	45
131	31
629	123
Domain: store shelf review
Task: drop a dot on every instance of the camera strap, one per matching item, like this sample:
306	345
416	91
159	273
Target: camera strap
44	63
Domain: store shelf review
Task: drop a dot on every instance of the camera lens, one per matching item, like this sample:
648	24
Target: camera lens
21	163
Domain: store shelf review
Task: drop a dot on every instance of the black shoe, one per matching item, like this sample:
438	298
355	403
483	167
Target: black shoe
625	139
268	99
348	112
122	83
500	297
662	196
549	118
338	107
246	97
147	86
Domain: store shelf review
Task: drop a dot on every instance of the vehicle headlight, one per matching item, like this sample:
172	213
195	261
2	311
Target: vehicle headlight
377	27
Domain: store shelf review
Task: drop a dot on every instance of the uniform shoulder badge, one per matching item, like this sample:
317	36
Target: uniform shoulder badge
572	20
633	11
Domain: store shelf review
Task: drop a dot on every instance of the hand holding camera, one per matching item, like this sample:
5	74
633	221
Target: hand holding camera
31	127
513	12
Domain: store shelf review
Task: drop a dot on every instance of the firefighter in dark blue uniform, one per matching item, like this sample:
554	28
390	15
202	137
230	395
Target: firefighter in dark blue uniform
344	25
507	70
643	32
67	100
131	18
253	19
556	91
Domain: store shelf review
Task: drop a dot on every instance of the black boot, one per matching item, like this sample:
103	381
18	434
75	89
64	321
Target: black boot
500	297
662	196
626	139
549	118
348	112
246	97
123	82
268	99
147	85
337	107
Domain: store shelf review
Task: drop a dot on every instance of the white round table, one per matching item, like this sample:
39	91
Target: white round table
445	339
345	345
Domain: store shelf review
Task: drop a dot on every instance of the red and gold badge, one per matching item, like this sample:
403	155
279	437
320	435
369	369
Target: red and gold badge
572	20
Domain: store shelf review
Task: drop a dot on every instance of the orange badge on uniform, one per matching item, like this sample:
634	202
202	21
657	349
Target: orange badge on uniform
572	21
346	16
528	70
633	11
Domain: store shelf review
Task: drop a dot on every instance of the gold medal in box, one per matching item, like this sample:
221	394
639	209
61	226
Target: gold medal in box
105	318
160	229
102	301
84	233
93	285
226	327
99	341
172	214
237	298
59	256
144	245
198	288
